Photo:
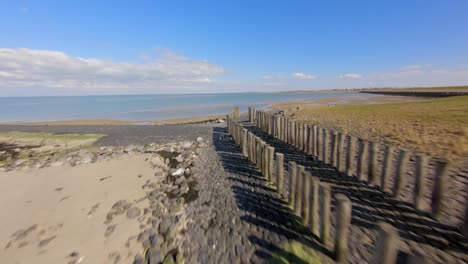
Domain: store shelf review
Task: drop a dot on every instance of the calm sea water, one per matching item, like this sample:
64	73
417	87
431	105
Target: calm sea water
137	107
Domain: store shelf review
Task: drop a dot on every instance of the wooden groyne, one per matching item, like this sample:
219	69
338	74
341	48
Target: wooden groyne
310	198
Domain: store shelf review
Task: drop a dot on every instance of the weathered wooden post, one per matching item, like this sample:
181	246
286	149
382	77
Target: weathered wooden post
387	168
464	227
306	196
386	247
258	154
420	184
235	112
271	163
310	140
334	149
314	141
441	182
343	227
319	143
326	204
292	171
350	155
314	207
400	179
280	172
372	170
362	161
265	160
244	143
299	184
305	148
296	133
339	154
417	257
325	146
301	135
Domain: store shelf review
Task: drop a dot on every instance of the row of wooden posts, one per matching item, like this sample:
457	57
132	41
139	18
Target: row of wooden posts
308	197
329	147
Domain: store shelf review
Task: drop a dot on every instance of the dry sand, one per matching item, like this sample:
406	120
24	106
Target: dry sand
47	214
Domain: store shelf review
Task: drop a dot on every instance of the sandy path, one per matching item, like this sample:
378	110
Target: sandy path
62	210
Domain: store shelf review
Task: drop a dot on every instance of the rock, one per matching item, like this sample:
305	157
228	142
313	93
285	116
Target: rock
200	139
133	212
169	259
157	161
187	144
164	226
178	172
220	121
154	256
56	164
109	230
179	158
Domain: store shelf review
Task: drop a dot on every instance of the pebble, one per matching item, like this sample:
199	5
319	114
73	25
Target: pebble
133	212
200	139
56	164
178	172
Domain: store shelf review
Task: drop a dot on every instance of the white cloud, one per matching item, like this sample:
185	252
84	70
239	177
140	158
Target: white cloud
303	76
20	68
393	75
350	76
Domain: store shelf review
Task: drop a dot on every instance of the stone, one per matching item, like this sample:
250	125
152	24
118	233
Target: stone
178	172
154	256
200	139
133	212
109	230
164	226
169	259
56	164
220	121
179	158
186	144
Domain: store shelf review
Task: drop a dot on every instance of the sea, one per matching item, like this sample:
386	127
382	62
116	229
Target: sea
137	108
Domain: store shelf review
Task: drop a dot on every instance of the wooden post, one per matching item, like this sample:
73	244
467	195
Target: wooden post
350	155
244	143
280	173
386	246
343	227
271	163
310	140
325	146
464	227
258	154
306	196
387	168
304	138
420	184
299	184
334	149
339	154
265	160
292	182
417	257
372	170
235	112
362	162
440	187
319	143
314	207
400	179
314	141
326	203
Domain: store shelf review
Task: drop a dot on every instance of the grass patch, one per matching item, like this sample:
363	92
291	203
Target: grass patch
437	127
295	252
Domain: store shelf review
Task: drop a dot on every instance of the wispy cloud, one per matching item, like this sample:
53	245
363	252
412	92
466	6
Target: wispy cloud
303	76
415	67
21	68
350	76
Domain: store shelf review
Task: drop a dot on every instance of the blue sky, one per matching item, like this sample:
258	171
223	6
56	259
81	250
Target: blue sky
108	47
